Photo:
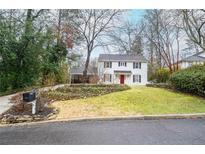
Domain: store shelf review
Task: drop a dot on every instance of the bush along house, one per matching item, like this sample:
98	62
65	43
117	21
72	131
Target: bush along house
130	69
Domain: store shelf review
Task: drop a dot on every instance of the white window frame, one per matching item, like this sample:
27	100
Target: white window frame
137	65
122	64
190	64
107	77
137	78
107	64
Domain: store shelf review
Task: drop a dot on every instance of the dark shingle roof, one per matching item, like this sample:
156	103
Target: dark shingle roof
197	54
122	57
79	70
195	57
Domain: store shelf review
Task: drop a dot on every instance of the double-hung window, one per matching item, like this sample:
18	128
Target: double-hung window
107	77
107	64
137	78
122	64
137	65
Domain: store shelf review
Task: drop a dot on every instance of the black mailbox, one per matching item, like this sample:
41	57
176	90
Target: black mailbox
29	96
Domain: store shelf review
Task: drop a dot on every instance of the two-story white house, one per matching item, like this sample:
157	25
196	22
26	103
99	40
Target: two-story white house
198	58
128	69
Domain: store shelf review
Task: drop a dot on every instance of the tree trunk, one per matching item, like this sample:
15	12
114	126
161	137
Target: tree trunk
28	21
177	53
59	27
86	67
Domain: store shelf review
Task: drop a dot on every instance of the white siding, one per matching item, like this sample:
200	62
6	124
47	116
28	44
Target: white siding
184	65
128	77
202	54
188	64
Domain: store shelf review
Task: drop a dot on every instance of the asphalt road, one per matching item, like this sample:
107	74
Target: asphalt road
184	131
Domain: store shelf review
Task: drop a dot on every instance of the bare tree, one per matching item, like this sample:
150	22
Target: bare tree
94	26
194	25
164	36
126	38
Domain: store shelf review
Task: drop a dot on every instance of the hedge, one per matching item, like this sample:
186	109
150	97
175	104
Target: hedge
159	85
161	75
191	80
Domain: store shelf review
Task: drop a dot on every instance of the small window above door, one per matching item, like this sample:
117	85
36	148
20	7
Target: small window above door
122	64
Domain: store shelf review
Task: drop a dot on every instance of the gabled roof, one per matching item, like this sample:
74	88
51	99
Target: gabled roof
79	70
195	57
197	54
121	57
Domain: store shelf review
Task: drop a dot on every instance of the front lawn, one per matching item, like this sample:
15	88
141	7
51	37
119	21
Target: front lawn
136	101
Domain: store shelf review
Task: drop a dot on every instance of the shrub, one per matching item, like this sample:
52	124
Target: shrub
49	79
159	85
191	80
162	75
151	72
62	73
55	74
94	79
4	83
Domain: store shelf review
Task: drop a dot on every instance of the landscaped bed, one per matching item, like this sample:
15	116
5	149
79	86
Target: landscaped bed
136	101
79	91
21	111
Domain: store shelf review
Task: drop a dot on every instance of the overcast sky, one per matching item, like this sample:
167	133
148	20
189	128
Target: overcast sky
131	15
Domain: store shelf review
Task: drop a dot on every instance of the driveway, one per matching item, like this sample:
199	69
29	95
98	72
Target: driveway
4	103
183	131
4	100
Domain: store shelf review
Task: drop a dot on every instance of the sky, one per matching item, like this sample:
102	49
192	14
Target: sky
131	15
135	15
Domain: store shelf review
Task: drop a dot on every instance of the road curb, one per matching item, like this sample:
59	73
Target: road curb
111	118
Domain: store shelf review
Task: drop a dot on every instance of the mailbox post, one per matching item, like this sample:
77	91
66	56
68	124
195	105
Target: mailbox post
30	97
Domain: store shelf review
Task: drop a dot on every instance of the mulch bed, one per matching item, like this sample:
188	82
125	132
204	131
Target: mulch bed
22	112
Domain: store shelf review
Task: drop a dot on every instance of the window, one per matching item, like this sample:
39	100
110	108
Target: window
137	78
107	64
107	77
122	64
190	64
137	65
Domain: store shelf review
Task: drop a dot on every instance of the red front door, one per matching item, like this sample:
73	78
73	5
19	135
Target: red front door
122	79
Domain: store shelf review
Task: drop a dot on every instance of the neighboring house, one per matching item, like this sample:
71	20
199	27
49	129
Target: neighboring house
77	75
128	69
198	58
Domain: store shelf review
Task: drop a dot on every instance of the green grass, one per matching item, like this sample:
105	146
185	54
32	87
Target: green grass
136	101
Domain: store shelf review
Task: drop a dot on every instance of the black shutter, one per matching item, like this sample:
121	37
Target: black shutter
110	77
139	78
139	65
